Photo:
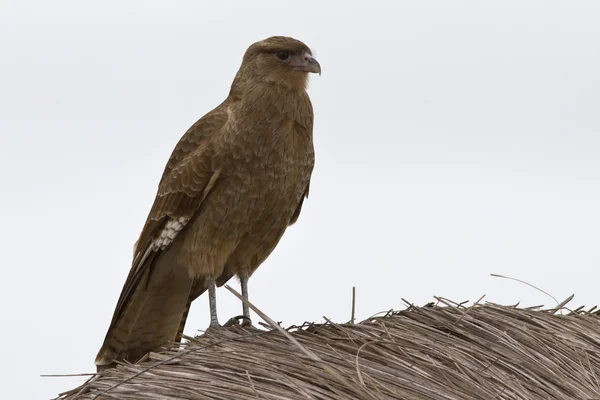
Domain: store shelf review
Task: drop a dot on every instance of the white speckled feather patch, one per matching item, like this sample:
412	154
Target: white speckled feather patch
169	232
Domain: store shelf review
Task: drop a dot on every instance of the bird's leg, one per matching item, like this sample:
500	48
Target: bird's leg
245	310
212	300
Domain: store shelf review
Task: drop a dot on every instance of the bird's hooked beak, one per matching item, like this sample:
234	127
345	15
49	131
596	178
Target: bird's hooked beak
306	63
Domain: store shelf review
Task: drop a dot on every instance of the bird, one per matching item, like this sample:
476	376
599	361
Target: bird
233	184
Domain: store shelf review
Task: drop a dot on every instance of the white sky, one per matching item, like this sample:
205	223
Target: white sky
453	139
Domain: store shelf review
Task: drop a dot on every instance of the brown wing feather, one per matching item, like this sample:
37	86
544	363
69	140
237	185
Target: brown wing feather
153	304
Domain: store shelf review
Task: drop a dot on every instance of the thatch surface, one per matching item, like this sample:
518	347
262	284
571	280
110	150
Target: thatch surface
429	353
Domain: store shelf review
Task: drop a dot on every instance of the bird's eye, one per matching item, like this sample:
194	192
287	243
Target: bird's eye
282	55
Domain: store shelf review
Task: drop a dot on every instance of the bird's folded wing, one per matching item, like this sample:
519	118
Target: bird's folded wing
179	197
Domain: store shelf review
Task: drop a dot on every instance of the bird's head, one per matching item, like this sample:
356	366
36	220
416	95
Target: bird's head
281	60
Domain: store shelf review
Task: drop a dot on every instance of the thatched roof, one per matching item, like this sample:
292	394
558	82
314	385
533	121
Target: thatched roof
433	352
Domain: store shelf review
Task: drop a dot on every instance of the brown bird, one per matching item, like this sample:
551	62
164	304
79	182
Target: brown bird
234	183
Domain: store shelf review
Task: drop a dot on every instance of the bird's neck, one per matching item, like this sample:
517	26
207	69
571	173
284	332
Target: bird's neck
265	101
295	82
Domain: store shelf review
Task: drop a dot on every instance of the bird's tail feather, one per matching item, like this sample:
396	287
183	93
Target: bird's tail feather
153	317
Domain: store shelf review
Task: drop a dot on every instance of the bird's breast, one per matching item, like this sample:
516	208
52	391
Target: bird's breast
266	169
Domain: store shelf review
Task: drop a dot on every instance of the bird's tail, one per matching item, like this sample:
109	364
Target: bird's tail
150	314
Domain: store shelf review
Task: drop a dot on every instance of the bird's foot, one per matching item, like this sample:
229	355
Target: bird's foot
239	320
247	323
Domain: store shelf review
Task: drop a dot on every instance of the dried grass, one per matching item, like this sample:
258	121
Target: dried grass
432	353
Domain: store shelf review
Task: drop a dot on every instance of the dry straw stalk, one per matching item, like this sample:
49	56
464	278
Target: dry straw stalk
432	353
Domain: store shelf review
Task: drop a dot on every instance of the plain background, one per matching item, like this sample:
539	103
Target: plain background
454	139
